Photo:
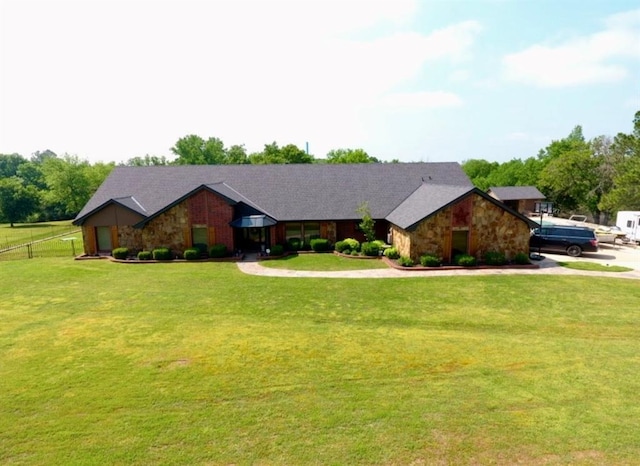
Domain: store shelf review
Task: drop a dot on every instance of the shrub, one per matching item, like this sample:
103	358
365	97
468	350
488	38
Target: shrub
162	254
277	250
218	250
294	244
145	256
355	253
521	259
370	249
495	258
202	249
391	253
120	253
320	244
464	260
353	244
191	254
405	261
342	246
430	260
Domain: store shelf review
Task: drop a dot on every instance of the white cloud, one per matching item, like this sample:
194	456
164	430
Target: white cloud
601	57
436	99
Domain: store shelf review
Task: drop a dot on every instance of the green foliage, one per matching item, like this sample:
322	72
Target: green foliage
430	260
162	254
353	244
17	201
354	253
391	253
370	249
521	259
405	261
202	248
191	254
350	156
465	260
495	258
120	253
319	244
145	255
295	244
367	225
147	161
218	250
272	154
341	246
277	250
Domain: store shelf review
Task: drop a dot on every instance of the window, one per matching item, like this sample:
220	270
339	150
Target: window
629	223
293	230
311	231
200	235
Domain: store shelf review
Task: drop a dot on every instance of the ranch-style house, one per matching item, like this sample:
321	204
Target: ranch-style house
418	207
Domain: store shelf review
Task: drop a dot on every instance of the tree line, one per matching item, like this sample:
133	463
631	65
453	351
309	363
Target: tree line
600	176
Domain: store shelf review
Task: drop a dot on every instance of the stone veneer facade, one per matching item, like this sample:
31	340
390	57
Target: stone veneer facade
490	227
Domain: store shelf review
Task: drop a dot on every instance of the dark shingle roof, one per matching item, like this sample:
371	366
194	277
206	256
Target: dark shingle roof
424	202
512	193
284	192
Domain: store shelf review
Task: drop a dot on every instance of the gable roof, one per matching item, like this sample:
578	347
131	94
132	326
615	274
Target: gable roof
424	202
512	193
428	199
293	192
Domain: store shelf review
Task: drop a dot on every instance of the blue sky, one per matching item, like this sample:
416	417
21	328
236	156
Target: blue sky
408	80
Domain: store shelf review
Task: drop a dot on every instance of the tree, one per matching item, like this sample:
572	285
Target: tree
367	225
272	154
236	155
625	192
350	156
17	201
9	164
147	161
71	182
193	150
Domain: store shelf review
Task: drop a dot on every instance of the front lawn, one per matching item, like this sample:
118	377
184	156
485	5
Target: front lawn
197	363
323	262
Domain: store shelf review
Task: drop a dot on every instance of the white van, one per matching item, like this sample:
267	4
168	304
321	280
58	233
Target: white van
629	222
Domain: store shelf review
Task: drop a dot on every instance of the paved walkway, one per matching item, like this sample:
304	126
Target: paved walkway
547	266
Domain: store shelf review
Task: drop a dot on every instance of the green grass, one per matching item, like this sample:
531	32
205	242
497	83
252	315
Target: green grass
323	262
22	233
594	267
185	363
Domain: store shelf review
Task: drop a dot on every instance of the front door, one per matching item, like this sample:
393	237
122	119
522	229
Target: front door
104	239
459	243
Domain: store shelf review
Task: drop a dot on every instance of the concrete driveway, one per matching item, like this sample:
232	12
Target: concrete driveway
609	254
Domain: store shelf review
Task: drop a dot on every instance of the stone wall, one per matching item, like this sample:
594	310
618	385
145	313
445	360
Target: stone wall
129	237
167	230
494	229
491	228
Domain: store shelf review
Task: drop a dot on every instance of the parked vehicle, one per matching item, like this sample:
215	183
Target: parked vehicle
629	222
564	239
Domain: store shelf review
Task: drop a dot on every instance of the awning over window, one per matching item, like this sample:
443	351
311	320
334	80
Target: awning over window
253	221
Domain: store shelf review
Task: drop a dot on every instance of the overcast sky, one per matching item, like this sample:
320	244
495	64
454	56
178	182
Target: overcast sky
412	80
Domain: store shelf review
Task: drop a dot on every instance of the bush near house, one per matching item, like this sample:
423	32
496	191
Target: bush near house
342	247
430	260
495	258
370	249
521	259
162	254
120	253
465	260
353	244
277	250
217	251
320	244
191	254
294	244
391	253
405	261
202	249
145	256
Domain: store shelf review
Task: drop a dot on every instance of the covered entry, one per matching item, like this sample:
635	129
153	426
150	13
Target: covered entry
252	232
